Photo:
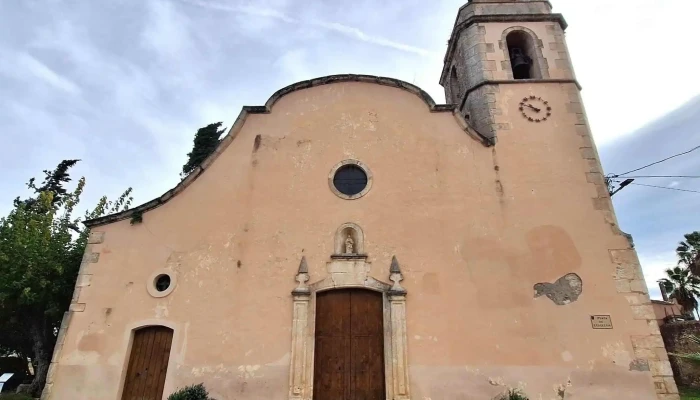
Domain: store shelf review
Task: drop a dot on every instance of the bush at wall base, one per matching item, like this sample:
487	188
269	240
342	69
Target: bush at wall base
513	394
193	392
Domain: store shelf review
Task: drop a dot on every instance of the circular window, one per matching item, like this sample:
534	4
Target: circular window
350	179
162	283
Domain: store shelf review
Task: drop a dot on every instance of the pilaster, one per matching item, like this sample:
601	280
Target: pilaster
84	279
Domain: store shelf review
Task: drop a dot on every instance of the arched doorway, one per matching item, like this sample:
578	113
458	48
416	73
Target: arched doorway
349	346
148	363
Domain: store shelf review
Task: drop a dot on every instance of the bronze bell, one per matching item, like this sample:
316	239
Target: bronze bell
521	63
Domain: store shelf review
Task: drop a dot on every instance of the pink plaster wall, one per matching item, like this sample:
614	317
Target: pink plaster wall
473	227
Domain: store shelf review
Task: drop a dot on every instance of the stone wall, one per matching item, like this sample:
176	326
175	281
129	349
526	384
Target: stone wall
488	7
675	338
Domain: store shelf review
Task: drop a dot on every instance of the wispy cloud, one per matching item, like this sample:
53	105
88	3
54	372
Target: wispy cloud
294	64
348	31
378	40
167	31
42	72
23	66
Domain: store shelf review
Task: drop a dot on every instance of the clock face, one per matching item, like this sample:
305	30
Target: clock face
535	109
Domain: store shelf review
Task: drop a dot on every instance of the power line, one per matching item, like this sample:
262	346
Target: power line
667	188
659	176
659	162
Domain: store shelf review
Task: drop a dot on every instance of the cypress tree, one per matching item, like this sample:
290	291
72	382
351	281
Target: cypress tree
205	142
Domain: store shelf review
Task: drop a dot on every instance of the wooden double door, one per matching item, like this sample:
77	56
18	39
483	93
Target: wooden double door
349	348
148	364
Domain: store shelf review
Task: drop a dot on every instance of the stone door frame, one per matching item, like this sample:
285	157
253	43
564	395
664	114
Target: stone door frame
348	272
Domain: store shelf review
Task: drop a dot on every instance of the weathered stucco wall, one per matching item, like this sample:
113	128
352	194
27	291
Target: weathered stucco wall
475	228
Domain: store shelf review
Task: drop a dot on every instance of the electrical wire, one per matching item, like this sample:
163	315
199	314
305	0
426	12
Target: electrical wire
659	176
659	162
667	188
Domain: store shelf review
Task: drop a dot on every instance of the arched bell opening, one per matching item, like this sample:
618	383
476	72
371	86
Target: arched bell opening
523	56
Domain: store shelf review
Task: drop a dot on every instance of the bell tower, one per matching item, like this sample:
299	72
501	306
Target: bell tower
502	43
507	69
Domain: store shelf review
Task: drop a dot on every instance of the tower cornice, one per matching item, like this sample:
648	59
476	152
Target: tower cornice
472	2
513	82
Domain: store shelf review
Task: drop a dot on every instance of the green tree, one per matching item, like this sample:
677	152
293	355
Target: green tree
13	338
688	252
205	142
41	248
683	286
53	183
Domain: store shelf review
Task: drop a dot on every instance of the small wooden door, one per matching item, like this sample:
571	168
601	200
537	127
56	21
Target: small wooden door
148	364
349	350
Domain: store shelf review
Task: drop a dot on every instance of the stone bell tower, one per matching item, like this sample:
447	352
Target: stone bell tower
508	70
499	43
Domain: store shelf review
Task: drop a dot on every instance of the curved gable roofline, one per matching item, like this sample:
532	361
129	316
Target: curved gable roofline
379	80
266	109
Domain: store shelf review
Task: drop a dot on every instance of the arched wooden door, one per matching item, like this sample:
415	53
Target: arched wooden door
148	364
349	350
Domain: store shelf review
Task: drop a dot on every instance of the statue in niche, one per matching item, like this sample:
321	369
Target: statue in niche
349	245
348	241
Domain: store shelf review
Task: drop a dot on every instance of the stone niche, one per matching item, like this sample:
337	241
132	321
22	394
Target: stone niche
349	241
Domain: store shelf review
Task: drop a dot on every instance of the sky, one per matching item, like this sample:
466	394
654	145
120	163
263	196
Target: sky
124	84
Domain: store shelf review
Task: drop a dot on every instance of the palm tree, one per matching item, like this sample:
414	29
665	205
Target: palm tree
688	252
683	286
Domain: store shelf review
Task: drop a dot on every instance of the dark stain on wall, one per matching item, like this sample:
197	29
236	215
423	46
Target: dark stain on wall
553	249
499	188
565	290
256	143
496	168
639	364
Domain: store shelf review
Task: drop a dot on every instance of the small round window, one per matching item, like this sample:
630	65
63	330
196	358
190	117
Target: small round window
350	179
162	283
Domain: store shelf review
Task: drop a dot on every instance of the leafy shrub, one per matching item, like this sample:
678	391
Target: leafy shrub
13	396
193	392
513	394
689	394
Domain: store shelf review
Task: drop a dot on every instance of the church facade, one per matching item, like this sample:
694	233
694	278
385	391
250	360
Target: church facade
352	239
